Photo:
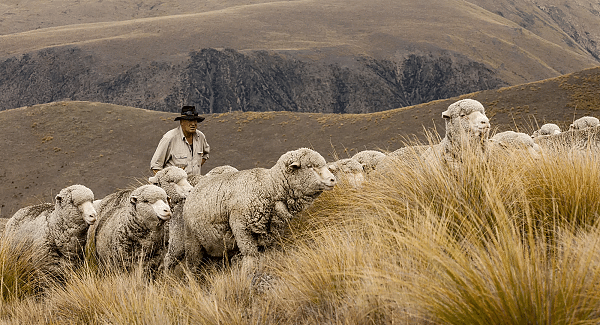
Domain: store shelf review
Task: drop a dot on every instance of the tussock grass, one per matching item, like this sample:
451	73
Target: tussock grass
502	240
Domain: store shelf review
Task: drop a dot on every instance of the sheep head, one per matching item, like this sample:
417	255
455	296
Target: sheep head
546	129
369	159
174	181
515	140
305	171
466	118
150	201
81	197
349	170
584	123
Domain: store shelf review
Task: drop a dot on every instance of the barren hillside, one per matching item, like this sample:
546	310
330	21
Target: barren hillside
103	146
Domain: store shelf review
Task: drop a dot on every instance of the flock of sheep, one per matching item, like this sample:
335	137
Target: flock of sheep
179	218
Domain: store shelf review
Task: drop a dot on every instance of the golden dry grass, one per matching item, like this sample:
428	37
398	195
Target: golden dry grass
503	240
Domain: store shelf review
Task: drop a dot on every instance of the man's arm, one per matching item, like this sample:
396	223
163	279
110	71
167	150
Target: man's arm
161	155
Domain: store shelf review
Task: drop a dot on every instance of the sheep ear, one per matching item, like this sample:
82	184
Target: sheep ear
58	198
295	165
153	180
446	114
332	167
133	200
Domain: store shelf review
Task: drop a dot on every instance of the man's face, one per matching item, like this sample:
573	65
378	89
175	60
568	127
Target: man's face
188	126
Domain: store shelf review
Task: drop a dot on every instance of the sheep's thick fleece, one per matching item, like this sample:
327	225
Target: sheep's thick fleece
130	227
243	209
57	230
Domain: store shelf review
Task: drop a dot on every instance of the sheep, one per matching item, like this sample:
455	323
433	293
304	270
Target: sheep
369	159
174	181
194	179
58	230
246	209
584	123
467	127
175	226
348	170
546	129
130	228
515	140
408	154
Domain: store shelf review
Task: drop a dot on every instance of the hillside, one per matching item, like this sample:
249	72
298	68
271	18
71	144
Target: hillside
105	146
304	55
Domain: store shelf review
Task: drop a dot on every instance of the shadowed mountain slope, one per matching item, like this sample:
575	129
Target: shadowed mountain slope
154	54
103	146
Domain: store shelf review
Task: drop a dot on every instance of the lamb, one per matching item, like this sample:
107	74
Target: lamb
130	228
584	123
546	129
246	209
57	230
516	140
348	170
369	159
467	127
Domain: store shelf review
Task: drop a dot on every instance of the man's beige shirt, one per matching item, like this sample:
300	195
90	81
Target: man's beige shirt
174	150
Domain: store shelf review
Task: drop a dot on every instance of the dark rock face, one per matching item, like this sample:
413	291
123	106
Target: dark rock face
226	80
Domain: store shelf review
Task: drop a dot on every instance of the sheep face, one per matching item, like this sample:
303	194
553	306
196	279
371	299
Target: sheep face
174	181
306	171
466	117
80	197
350	170
151	201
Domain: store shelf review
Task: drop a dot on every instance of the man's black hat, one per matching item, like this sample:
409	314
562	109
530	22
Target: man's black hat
189	113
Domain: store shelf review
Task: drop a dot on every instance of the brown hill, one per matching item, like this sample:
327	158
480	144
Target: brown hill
523	42
105	147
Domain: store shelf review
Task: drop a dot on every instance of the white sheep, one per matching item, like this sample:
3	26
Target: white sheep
175	226
369	159
467	127
194	179
546	129
130	228
57	230
247	208
515	140
348	170
584	123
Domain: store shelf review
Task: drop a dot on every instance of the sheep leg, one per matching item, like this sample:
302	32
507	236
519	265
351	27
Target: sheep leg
245	241
193	250
278	223
176	246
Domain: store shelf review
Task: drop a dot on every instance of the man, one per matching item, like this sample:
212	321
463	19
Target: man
184	147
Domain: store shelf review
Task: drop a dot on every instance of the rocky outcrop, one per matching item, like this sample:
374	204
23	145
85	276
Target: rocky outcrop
227	80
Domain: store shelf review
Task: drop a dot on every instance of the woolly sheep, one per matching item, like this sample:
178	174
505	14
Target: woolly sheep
348	170
546	129
516	140
245	209
466	127
369	159
584	123
175	246
174	181
57	230
194	179
130	228
406	154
